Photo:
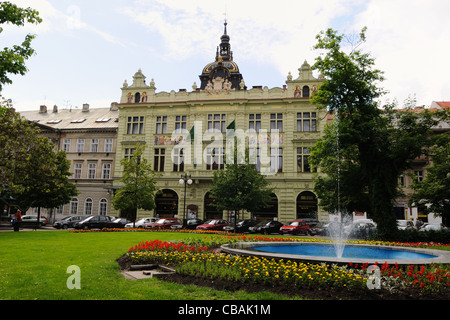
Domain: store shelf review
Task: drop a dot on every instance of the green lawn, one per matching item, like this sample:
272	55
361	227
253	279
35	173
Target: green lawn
33	265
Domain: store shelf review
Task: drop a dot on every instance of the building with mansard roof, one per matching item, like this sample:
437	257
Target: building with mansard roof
89	138
185	133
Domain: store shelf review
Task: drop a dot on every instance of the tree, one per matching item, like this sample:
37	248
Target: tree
45	182
139	185
12	60
240	187
368	146
433	192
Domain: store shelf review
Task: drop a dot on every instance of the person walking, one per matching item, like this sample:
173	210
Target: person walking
17	220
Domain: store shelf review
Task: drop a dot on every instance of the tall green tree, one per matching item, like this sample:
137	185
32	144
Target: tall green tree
363	153
433	192
240	187
12	60
139	185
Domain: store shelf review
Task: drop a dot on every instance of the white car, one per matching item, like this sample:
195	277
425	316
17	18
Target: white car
140	223
432	226
404	224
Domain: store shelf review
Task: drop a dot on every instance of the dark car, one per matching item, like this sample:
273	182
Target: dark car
68	222
118	223
318	229
213	224
295	227
191	224
164	223
241	227
266	227
93	222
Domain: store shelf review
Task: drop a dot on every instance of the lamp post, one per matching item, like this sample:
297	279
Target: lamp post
186	179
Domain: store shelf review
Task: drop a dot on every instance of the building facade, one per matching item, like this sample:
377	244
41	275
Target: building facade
89	138
188	133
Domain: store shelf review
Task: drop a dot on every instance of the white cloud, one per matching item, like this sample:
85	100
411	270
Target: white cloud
409	39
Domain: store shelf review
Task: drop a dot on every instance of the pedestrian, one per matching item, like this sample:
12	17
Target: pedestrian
17	220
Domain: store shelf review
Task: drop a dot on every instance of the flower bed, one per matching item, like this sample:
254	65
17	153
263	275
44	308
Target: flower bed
197	258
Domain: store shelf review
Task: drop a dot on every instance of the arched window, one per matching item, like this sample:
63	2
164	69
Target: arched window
166	204
137	97
307	205
88	206
103	206
305	92
74	206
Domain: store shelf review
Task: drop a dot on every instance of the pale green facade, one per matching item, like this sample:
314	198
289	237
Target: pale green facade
163	121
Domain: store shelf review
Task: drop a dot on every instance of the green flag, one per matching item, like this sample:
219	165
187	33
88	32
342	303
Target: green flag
231	126
191	132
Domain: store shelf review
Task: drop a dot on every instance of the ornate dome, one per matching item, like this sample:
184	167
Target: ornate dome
223	66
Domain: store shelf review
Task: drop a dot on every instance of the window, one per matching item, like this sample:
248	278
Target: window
108	145
254	158
217	122
77	170
102	209
306	121
106	171
305	92
214	158
302	160
60	209
66	145
80	145
135	125
73	206
276	121
92	167
276	160
178	159
129	153
94	145
161	124
419	175
88	206
254	122
180	123
158	164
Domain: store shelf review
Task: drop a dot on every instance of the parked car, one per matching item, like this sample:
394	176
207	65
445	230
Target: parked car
191	224
241	227
266	227
68	222
362	229
117	223
404	224
140	223
432	226
295	227
93	222
164	223
31	221
318	230
213	224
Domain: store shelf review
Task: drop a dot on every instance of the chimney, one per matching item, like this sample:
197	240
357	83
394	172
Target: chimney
85	107
114	106
43	109
55	109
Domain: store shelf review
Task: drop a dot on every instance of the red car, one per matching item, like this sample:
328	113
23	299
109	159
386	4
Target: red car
163	223
295	227
213	224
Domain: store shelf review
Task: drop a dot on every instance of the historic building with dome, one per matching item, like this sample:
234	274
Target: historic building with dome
185	133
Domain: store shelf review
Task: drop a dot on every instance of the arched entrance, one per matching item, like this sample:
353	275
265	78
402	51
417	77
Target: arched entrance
166	204
210	211
307	205
269	212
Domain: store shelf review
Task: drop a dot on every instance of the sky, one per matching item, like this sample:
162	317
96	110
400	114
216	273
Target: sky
86	49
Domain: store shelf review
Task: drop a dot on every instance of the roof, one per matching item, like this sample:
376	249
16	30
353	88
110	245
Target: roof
443	104
67	119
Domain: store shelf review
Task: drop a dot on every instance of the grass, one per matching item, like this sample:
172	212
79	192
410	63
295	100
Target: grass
33	266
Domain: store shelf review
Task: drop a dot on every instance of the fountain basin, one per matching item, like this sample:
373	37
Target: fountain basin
323	252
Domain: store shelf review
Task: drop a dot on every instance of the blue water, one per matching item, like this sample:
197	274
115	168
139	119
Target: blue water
349	252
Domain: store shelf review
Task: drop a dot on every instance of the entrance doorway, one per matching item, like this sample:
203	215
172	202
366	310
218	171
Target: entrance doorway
166	204
307	205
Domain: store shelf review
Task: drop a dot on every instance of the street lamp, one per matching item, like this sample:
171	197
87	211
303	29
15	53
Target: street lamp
186	179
